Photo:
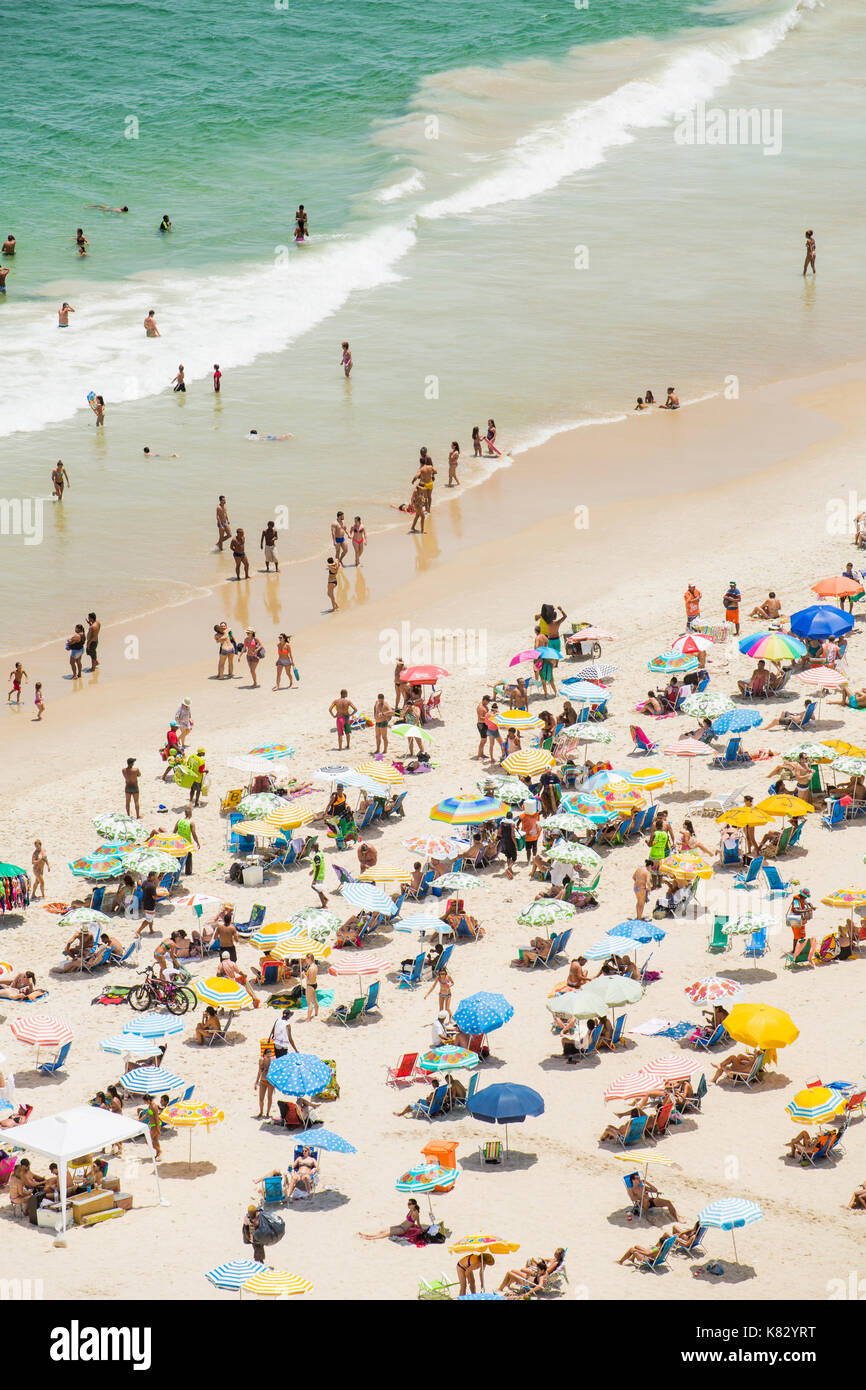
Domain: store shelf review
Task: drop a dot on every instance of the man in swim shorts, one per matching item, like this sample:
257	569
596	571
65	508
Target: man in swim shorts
342	710
92	639
238	548
268	543
338	535
150	327
222	520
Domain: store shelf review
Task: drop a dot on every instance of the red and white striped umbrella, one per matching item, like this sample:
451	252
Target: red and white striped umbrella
674	1067
637	1083
361	963
686	748
691	643
41	1030
823	676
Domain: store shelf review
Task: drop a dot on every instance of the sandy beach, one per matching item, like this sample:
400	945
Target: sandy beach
611	521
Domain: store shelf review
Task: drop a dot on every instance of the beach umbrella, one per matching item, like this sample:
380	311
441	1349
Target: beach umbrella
715	989
186	1114
815	752
507	789
592	634
98	866
289	817
505	1103
448	1059
634	1084
485	1295
516	719
625	799
761	1026
568	822
299	1074
131	1045
422	675
585	733
234	1274
456	810
298	943
458	882
149	1081
728	1213
196	900
260	829
673	663
41	1030
772	646
437	846
686	748
5	968
707	704
360	963
821	620
259	805
427	1177
222	992
564	853
645	1157
691	643
536	654
483	1244
482	1013
275	1283
847	750
273	752
175	845
838	586
588	804
578	1003
740	816
749	922
81	916
736	721
317	922
580	689
413	731
601	950
328	1142
385	773
114	825
687	866
855	766
272	933
150	861
636	929
421	922
675	1067
599	671
616	991
816	1105
653	777
823	677
545	912
385	873
252	764
785	805
608	778
153	1025
368	898
528	761
845	897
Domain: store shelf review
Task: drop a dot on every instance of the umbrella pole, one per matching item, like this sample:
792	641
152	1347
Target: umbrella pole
734	1239
189	1159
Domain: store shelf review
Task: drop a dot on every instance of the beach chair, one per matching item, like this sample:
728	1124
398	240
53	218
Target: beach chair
719	940
732	755
96	962
828	1142
755	1072
854	1104
659	1260
660	1121
397	808
642	743
130	951
368	816
254	921
343	875
491	1152
591	1045
274	1192
792	722
347	1013
756	944
463	931
750	879
731	854
56	1062
795	838
456	1103
371	1002
774	851
715	805
412	978
438	1289
694	1102
836	816
442	963
644	970
688	902
718	1035
776	888
693	1246
96	897
437	1100
286	859
231	800
591	889
800	956
404	1072
646	824
634	1133
221	1034
616	1035
703	681
423	888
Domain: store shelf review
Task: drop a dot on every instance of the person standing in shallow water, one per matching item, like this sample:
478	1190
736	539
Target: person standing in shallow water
810	252
346	360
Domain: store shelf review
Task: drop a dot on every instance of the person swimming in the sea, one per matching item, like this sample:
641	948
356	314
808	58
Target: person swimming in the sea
255	438
165	224
103	207
147	453
302	229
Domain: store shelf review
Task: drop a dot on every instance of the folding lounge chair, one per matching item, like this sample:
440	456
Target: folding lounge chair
836	816
437	1100
719	940
634	1133
694	1102
799	956
412	979
756	944
641	741
718	1035
347	1013
371	1002
659	1260
56	1063
776	887
754	1074
750	879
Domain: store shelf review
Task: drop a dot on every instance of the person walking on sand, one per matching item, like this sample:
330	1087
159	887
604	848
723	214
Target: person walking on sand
346	360
254	653
268	544
342	710
285	659
358	534
311	980
338	536
238	548
382	712
177	381
217	377
60	479
150	327
453	460
63	314
333	572
16	676
131	775
224	530
692	600
39	863
810	252
92	639
642	880
418	507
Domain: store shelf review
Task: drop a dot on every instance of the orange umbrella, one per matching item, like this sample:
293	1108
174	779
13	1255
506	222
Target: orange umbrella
838	585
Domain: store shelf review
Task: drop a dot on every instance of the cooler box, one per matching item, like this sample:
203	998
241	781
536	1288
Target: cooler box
123	1200
442	1151
252	876
90	1202
110	1184
49	1218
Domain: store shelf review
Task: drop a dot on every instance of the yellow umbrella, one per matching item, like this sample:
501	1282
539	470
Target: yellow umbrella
687	866
785	805
185	1114
273	932
744	815
298	944
385	875
815	1105
273	1282
290	818
262	829
222	992
483	1245
528	761
652	778
845	897
382	772
849	750
645	1156
761	1026
175	845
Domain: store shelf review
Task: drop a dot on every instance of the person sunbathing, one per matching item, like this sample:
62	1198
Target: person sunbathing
638	1255
348	933
619	965
404	1230
455	914
620	1131
805	1145
577	976
686	1236
645	1195
539	949
80	962
739	1063
652	704
714	1016
858	1200
533	1275
303	1171
207	1025
412	1106
20	1117
22	986
268	1178
849	698
789	720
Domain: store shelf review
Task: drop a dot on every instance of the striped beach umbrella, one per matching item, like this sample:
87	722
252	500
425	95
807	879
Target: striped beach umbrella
272	752
150	861
729	1213
421	922
175	845
599	671
691	643
823	677
707	704
299	1074
603	949
673	663
687	866
222	992
299	943
448	1059
84	916
816	1105
273	932
252	764
413	731
715	989
260	804
736	721
234	1274
427	1177
634	1084
368	898
259	829
273	1283
685	748
457	810
528	761
149	1081
845	897
608	778
98	866
458	882
114	825
772	646
437	846
652	777
515	719
589	692
131	1045
385	873
565	853
482	1013
289	817
365	963
675	1067
154	1025
386	773
41	1030
545	912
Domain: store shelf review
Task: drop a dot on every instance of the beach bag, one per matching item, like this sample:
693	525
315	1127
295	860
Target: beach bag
270	1229
295	673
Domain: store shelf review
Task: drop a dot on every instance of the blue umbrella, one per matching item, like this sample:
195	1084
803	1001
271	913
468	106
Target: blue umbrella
600	781
505	1104
728	1213
368	898
299	1074
235	1273
485	1294
821	620
149	1081
483	1013
153	1025
327	1140
547	654
639	931
129	1045
580	689
736	721
600	950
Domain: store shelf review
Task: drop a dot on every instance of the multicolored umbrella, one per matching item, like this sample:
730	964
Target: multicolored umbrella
272	751
816	1105
386	773
715	989
458	882
368	898
845	897
222	992
185	1114
460	811
448	1059
708	704
608	778
196	900
483	1244
729	1213
568	822
736	721
413	731
527	762
97	866
673	662
587	804
427	1177
483	1012
772	646
234	1274
317	922
269	935
623	799
545	912
299	1074
150	1081
259	805
5	969
154	1025
508	789
687	866
273	1283
41	1030
437	846
175	845
149	861
114	825
80	916
516	719
536	654
653	777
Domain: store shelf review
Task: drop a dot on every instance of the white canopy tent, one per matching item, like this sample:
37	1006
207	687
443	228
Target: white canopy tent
82	1130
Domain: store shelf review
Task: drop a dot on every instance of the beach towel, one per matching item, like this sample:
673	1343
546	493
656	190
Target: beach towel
115	994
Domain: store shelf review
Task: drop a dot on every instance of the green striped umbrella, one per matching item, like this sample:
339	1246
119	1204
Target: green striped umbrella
707	705
261	804
545	913
149	861
563	853
114	825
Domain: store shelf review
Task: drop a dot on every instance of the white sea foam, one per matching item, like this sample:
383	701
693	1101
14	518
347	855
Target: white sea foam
412	183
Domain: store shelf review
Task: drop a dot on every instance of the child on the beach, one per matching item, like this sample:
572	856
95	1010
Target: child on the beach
16	676
38	701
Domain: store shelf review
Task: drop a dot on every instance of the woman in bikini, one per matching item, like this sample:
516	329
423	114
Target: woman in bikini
311	979
226	650
285	660
333	571
453	460
304	1169
404	1229
358	536
476	441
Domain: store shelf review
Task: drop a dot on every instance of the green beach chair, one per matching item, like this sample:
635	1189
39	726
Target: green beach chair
718	941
